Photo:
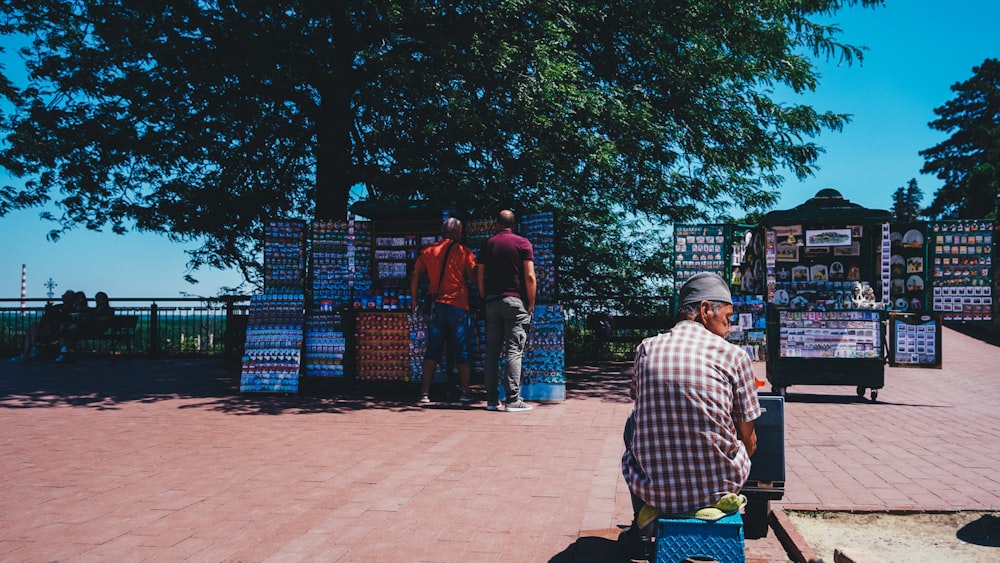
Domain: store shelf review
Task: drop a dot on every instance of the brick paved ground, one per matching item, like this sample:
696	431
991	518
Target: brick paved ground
930	443
165	461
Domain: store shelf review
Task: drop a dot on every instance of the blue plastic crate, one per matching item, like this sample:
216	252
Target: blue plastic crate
721	540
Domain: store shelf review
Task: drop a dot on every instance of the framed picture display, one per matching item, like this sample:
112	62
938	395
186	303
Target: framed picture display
828	237
853	249
787	252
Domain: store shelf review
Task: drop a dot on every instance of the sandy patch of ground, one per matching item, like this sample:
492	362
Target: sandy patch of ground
959	537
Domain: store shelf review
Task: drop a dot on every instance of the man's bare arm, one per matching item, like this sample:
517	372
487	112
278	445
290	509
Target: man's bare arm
746	433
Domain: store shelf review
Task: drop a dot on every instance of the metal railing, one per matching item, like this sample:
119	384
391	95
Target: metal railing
216	327
583	339
164	327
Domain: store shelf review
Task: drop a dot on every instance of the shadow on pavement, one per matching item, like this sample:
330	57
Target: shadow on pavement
824	399
107	384
104	384
590	549
607	381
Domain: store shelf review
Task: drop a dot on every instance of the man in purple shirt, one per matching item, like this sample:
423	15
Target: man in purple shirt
506	277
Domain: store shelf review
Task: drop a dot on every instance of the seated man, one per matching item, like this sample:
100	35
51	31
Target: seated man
691	434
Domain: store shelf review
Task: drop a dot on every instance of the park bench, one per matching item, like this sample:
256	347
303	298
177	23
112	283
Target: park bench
118	332
623	333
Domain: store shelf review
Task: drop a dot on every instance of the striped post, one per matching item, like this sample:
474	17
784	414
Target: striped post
24	288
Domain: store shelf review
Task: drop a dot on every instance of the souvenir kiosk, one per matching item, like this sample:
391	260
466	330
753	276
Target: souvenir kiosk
827	281
337	306
941	271
734	252
389	341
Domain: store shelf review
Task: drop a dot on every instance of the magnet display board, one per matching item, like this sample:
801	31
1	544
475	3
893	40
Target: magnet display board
962	269
915	340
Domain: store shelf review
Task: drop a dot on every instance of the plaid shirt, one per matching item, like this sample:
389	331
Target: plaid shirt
690	386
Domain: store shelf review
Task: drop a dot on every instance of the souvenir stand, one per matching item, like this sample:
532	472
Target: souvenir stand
734	252
914	339
543	375
828	277
273	346
389	341
940	271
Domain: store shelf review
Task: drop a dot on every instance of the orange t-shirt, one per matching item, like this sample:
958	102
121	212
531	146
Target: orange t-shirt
453	288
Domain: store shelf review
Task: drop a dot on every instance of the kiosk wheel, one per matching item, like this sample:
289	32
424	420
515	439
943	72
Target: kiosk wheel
781	391
874	395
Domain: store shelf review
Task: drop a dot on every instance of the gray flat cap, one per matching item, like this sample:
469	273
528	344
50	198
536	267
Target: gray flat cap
705	286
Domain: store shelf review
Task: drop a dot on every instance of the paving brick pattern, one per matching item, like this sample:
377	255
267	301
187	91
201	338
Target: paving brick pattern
930	443
137	460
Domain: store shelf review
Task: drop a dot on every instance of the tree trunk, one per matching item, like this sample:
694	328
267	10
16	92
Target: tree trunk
333	128
333	157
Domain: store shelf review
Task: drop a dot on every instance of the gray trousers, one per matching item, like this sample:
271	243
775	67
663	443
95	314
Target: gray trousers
506	323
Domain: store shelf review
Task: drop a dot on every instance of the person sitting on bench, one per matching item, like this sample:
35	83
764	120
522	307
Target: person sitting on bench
46	328
691	433
84	321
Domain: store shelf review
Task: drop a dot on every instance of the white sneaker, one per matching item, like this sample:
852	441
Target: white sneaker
518	406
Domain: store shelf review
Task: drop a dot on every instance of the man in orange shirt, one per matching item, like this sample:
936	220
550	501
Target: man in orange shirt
450	267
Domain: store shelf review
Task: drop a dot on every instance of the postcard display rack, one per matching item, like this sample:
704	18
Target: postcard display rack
339	263
274	329
961	270
828	278
915	339
734	252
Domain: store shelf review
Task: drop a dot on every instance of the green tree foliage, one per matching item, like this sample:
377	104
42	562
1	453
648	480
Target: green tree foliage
969	160
202	118
906	202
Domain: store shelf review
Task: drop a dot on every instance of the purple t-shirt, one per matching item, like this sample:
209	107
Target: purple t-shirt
504	255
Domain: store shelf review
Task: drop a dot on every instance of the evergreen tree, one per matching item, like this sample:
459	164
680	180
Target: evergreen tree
906	202
969	160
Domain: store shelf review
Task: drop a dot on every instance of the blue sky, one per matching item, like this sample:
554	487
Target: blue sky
917	50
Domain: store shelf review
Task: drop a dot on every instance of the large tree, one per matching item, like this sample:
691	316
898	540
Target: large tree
968	161
200	119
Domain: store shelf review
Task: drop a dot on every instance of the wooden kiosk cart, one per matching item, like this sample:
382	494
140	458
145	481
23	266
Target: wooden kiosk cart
827	278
